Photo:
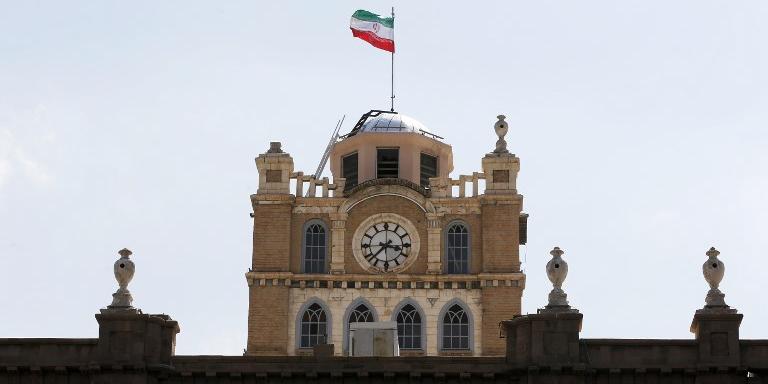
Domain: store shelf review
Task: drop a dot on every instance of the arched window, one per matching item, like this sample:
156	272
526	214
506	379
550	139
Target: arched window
359	311
409	328
455	328
360	314
457	248
315	247
314	327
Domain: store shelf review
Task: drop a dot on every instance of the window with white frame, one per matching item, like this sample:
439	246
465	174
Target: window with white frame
314	326
315	247
455	329
457	248
409	327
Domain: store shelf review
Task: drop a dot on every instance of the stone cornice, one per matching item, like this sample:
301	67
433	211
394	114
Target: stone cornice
420	281
272	198
501	199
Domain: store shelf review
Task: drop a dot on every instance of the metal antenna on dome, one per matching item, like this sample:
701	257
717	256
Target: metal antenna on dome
327	153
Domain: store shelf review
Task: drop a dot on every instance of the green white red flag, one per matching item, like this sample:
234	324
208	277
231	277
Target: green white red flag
376	30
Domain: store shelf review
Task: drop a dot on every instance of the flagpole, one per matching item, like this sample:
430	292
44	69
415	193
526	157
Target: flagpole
392	77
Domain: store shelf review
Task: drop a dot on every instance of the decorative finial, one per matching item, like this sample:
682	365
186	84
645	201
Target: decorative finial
557	270
501	128
274	147
124	270
713	270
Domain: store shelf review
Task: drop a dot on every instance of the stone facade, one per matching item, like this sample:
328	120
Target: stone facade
489	290
384	301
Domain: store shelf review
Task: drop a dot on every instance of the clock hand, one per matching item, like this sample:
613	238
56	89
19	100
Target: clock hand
383	247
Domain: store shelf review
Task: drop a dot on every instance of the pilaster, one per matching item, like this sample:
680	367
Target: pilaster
272	211
434	241
338	227
500	228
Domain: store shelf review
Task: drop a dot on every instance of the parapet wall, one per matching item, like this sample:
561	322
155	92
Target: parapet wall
541	348
39	352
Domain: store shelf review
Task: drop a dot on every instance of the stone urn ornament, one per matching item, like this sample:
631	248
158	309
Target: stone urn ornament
124	270
557	270
501	127
713	270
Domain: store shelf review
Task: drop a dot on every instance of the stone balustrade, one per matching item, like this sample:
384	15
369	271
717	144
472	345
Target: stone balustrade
327	189
439	187
442	187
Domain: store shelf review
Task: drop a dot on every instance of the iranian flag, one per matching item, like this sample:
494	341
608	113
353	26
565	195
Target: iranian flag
378	31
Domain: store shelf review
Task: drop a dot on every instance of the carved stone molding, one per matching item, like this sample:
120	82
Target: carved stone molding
387	190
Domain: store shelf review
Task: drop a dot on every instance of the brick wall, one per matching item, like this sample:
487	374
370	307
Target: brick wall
501	251
499	303
267	325
271	237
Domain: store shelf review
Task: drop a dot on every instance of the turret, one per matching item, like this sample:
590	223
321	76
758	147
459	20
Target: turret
386	145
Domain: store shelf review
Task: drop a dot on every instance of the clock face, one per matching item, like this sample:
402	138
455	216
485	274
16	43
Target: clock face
386	245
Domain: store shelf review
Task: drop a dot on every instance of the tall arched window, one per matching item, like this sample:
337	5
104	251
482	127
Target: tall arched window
457	248
409	328
314	326
455	328
315	247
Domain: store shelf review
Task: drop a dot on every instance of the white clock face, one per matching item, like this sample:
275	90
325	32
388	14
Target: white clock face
386	245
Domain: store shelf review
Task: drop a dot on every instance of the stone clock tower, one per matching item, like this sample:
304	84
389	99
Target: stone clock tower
391	238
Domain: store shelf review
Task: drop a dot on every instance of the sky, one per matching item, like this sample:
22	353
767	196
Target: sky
641	126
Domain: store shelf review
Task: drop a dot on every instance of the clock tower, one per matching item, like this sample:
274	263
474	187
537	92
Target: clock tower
391	237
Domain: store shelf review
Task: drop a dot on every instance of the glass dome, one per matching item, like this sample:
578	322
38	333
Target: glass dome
386	121
393	122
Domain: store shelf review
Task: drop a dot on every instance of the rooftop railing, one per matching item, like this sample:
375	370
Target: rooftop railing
439	187
327	189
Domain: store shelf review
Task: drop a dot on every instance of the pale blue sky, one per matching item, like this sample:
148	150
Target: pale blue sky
641	128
